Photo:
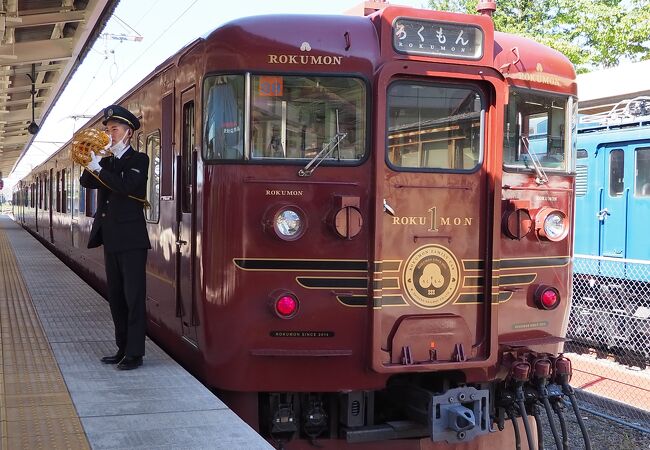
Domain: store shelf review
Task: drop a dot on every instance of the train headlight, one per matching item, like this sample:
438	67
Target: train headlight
551	224
289	223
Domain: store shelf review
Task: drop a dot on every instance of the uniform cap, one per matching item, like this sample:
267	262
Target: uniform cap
120	114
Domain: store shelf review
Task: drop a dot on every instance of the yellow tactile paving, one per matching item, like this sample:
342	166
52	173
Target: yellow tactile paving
36	411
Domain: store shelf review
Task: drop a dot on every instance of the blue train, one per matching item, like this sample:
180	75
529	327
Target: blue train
611	292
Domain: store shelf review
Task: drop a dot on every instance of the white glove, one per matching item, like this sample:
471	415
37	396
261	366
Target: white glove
93	165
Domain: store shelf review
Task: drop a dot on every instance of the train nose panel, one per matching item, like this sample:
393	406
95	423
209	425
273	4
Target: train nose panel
429	338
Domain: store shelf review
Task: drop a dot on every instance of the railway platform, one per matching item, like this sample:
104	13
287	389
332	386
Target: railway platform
54	391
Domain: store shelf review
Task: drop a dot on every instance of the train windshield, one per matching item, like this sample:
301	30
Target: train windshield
539	131
288	119
434	126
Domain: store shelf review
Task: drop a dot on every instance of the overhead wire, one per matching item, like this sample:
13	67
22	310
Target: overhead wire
146	50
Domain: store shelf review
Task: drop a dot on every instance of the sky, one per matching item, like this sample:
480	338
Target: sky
113	66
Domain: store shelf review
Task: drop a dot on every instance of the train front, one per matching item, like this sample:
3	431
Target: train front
371	271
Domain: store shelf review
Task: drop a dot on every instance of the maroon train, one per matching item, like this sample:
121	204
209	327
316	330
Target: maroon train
361	226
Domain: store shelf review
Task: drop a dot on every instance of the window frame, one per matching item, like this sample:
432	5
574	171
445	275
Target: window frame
571	124
637	151
248	98
483	94
188	144
610	157
151	171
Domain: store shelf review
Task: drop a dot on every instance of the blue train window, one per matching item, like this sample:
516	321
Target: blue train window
616	172
642	181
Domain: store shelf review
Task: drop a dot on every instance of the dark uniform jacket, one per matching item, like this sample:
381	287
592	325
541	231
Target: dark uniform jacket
119	222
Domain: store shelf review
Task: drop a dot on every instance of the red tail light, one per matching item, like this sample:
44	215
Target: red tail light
547	297
286	306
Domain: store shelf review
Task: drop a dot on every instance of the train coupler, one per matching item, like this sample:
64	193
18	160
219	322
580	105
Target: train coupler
460	414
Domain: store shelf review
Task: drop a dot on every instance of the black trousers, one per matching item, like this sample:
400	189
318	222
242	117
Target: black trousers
126	278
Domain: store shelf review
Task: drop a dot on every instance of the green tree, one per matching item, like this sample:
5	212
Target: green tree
591	33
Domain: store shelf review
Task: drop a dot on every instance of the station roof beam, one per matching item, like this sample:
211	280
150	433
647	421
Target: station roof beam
49	38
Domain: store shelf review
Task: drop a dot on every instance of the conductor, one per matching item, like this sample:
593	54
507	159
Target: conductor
119	225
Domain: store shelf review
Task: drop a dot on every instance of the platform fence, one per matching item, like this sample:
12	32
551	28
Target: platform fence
609	324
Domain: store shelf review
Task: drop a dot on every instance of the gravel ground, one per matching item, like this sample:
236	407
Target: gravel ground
604	434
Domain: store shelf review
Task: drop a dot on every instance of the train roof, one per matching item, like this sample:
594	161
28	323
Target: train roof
527	63
626	114
522	61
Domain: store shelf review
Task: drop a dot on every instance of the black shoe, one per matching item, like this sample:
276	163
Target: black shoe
114	359
130	362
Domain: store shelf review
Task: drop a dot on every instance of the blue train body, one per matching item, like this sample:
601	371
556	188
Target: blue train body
613	196
611	291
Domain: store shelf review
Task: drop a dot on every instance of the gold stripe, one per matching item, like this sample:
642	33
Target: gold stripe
333	287
122	118
299	270
525	283
158	277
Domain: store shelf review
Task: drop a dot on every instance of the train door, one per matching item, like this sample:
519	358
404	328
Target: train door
614	201
186	220
429	279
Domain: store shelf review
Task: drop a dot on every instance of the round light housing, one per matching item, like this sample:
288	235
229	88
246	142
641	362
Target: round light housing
547	297
286	306
551	224
517	223
289	224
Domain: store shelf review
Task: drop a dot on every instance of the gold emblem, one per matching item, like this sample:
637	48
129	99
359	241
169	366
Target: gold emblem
431	276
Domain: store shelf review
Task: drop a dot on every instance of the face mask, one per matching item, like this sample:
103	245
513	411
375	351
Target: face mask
120	145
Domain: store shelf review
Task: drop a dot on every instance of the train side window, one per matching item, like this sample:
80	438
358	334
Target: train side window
642	172
186	155
616	173
45	193
57	199
74	181
434	126
68	190
153	183
81	206
223	132
64	193
167	153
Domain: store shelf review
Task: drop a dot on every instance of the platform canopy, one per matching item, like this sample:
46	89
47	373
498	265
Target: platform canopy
42	42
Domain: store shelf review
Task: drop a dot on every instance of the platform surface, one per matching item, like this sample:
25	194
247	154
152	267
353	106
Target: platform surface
54	391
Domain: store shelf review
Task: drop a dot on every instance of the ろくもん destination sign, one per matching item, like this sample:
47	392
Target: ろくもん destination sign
434	38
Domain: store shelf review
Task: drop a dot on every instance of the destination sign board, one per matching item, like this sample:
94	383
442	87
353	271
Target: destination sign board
434	38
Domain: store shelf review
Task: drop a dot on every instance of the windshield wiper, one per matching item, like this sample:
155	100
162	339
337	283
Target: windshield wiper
326	151
539	170
525	142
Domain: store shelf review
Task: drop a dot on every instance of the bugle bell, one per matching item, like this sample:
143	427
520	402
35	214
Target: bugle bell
86	141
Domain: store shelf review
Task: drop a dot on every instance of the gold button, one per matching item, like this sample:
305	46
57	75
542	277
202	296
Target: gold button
107	202
103	214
